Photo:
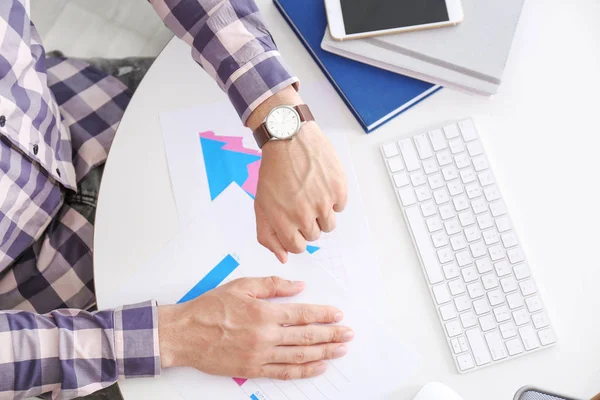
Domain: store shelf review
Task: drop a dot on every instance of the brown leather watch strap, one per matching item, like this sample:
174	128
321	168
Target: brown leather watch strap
262	135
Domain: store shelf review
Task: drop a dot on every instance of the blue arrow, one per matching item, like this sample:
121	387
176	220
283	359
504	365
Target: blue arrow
312	249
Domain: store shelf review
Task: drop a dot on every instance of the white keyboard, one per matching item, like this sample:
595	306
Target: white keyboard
479	279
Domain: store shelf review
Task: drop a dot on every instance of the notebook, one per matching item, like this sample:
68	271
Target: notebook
373	95
469	57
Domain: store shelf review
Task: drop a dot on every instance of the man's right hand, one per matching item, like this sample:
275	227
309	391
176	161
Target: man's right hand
232	331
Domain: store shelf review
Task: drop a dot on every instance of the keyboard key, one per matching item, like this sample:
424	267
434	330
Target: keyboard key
503	224
467	129
450	271
423	147
409	154
473	191
534	303
472	233
540	320
462	160
546	337
508	330
483	265
450	173
453	328
447	211
437	139
451	131
502	313
455	187
527	287
529	338
457	287
491	193
445	255
496	297
502	268
401	179
441	196
452	226
462	341
481	306
458	242
509	240
436	181
485	221
423	245
455	346
480	163
521	317
456	146
428	209
465	362
407	196
430	166
463	258
509	284
515	300
439	239
418	178
478	249
434	224
489	281
423	193
521	271
441	294
514	346
475	290
469	274
468	319
478	346
486	178
390	150
496	253
444	158
462	303
487	323
474	148
479	206
466	218
460	203
447	312
496	345
491	237
395	164
515	255
498	208
468	175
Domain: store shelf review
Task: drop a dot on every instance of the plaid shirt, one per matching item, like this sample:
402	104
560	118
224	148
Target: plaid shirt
58	118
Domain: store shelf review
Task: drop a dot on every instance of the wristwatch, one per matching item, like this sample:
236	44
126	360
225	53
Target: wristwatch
282	123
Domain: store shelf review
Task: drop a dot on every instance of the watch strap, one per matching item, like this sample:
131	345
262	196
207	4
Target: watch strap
262	135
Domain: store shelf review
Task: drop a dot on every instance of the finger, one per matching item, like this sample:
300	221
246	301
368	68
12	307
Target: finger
305	354
273	286
315	334
341	204
286	372
267	237
292	240
328	222
305	314
312	232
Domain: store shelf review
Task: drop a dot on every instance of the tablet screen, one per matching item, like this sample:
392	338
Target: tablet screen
362	16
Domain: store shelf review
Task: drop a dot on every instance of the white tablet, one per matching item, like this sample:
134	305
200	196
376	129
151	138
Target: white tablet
353	19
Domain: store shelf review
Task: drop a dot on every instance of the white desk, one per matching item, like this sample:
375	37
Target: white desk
542	135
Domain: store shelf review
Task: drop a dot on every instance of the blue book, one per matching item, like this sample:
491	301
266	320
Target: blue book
374	95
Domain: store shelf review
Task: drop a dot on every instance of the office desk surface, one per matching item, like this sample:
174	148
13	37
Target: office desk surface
542	135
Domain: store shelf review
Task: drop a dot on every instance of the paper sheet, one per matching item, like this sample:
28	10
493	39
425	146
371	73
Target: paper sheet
214	250
208	149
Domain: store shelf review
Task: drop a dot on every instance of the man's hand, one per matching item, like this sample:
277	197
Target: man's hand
231	331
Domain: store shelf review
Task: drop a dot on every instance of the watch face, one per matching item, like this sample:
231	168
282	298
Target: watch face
283	122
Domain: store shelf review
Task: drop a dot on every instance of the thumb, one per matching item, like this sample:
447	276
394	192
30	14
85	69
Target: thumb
267	237
274	286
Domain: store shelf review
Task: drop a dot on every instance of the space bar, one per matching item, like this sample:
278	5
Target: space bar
424	246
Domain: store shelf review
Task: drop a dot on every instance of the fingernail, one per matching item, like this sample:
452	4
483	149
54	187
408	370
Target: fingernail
299	284
348	336
338	317
320	368
340	351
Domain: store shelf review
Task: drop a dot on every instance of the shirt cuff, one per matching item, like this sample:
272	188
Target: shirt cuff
136	340
257	80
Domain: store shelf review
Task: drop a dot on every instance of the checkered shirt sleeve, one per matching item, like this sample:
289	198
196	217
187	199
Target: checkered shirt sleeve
71	353
230	40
